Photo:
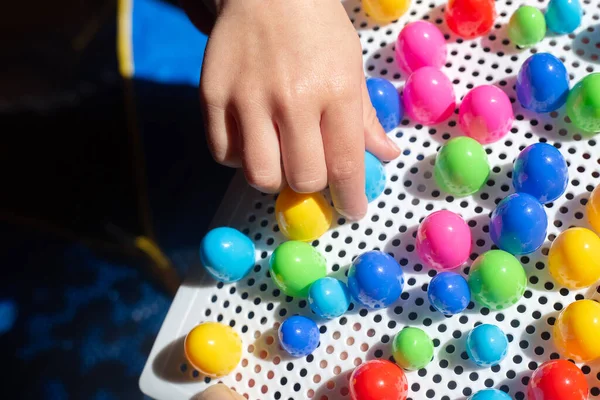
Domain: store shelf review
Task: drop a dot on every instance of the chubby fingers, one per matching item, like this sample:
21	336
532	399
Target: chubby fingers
221	134
344	143
302	150
259	145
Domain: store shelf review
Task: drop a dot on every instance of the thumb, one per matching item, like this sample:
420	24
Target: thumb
219	392
377	142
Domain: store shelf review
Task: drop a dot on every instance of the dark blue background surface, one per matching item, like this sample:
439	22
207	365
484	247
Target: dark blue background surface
77	322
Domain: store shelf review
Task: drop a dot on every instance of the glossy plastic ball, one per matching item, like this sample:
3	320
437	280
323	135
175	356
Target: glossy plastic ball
563	16
577	329
385	11
375	178
412	349
429	96
420	44
542	83
214	349
518	224
486	345
527	26
574	258
485	114
490	394
449	293
583	104
557	380
497	280
470	18
443	240
302	216
378	380
375	279
299	336
386	101
227	254
461	167
541	171
294	266
329	298
593	209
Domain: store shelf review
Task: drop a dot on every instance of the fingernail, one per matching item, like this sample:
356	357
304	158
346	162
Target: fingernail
392	144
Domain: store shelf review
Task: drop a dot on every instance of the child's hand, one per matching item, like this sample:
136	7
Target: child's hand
284	97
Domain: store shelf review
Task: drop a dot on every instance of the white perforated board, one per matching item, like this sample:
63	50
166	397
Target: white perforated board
255	308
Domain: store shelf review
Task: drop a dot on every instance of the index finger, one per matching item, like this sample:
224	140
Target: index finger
344	144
